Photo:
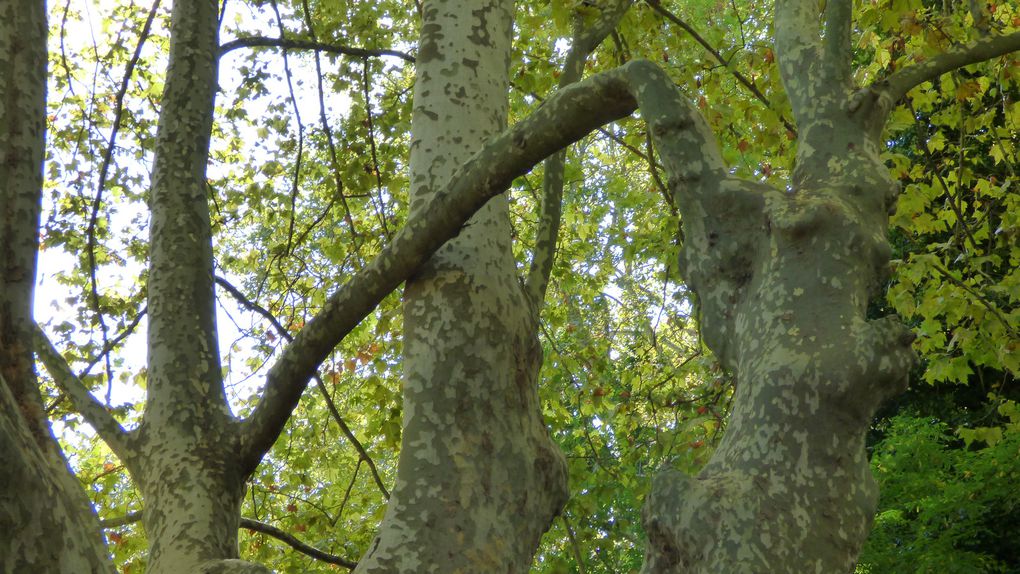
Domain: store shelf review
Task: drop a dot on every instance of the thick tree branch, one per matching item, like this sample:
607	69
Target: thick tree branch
586	39
878	99
838	19
180	235
563	119
814	85
94	411
264	42
254	526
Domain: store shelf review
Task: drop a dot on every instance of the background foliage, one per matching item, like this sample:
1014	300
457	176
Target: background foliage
307	181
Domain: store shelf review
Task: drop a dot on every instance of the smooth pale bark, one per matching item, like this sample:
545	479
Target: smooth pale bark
46	522
478	479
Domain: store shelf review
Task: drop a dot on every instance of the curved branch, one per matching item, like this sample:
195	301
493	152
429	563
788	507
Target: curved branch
879	98
254	526
564	118
94	412
586	39
264	42
293	542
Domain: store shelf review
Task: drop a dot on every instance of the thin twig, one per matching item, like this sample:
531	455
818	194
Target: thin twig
296	180
254	526
285	334
97	202
314	45
719	57
381	210
334	161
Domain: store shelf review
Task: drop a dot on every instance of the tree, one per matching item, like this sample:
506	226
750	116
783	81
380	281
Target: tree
783	276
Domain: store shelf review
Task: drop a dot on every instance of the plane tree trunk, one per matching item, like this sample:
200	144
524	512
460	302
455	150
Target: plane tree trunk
40	500
784	277
478	480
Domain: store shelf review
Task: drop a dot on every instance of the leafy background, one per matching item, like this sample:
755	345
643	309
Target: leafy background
307	180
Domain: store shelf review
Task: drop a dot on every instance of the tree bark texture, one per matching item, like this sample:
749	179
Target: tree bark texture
186	460
478	480
40	500
784	277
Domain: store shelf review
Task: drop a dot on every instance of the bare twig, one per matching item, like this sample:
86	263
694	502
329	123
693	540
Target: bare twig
256	308
296	180
757	93
314	45
97	202
381	210
254	526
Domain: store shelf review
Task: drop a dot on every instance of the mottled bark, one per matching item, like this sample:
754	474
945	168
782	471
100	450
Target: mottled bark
45	517
784	278
586	37
187	464
478	479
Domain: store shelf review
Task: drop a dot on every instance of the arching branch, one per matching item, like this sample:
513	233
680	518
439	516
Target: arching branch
878	99
574	111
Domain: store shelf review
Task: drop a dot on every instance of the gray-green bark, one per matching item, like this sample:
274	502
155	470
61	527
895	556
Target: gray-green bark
45	517
478	479
784	278
187	438
185	456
